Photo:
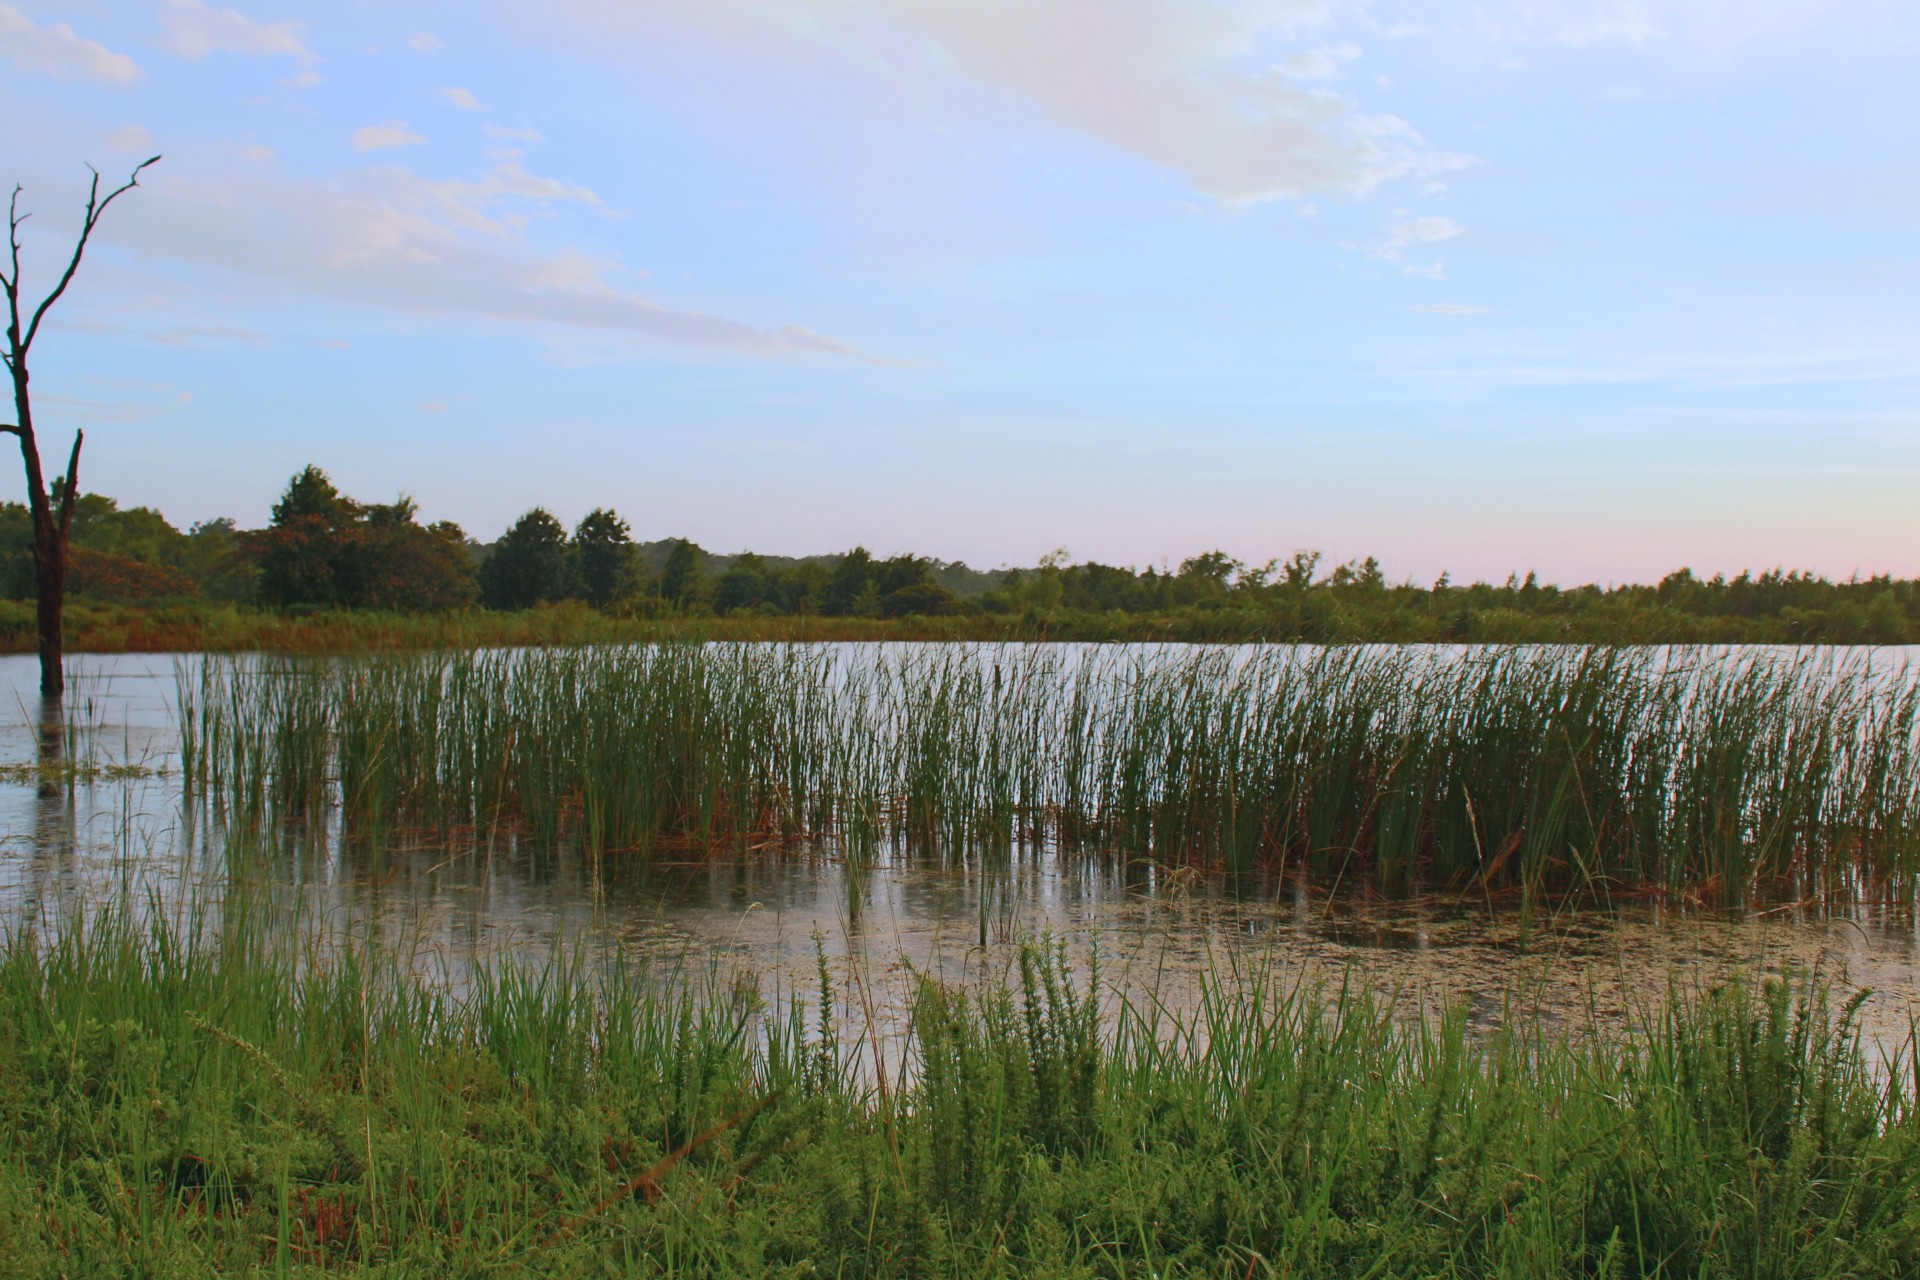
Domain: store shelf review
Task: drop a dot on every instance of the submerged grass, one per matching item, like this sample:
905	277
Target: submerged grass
183	1105
1717	774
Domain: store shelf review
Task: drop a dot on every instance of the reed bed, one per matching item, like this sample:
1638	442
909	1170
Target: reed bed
1723	775
219	1102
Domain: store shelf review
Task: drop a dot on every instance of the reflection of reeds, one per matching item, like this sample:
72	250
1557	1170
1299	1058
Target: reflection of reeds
1718	774
223	1102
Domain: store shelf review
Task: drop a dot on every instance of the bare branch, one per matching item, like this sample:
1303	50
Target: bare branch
9	429
14	219
71	489
96	207
12	282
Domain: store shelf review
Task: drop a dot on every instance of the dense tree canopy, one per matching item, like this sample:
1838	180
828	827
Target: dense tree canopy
683	579
610	570
130	555
533	563
325	550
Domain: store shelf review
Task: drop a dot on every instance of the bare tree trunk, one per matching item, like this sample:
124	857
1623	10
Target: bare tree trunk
50	573
50	577
50	528
53	672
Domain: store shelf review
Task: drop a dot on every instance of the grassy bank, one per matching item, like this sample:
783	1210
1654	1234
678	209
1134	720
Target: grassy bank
225	628
93	627
1727	776
219	628
181	1107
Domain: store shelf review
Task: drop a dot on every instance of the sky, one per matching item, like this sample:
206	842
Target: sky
1597	288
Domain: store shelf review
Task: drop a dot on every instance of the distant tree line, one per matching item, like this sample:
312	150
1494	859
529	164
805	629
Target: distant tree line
325	551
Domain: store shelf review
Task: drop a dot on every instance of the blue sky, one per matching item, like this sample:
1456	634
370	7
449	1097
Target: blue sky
1594	287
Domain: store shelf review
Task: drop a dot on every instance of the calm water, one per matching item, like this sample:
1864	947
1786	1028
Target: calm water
123	829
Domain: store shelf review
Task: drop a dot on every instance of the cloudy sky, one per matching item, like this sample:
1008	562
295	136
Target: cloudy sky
1597	287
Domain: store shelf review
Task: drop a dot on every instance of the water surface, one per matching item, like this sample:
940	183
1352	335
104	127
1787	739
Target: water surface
120	829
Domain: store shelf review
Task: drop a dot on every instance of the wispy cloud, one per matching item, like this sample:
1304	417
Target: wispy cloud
200	335
1319	64
463	99
195	29
130	140
1407	230
1720	370
1627	20
59	52
1167	80
1712	23
383	137
469	203
1451	309
1164	79
85	410
396	240
425	42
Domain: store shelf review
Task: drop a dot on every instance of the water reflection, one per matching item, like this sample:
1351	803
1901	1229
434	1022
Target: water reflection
49	849
78	836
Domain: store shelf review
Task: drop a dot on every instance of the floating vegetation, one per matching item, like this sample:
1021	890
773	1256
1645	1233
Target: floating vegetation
63	773
1717	774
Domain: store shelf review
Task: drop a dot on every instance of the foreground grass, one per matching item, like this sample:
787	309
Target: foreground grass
172	1107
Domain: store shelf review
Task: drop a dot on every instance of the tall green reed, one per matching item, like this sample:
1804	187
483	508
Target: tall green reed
1723	774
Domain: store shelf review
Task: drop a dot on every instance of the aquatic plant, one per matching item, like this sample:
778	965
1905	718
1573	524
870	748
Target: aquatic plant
1722	774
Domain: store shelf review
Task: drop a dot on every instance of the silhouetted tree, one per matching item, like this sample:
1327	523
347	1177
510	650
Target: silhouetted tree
531	564
609	566
850	583
928	599
743	586
897	573
683	580
50	527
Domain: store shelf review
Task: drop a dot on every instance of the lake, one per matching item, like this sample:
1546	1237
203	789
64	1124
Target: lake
120	829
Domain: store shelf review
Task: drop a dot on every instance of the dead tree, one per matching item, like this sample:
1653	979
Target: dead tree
50	527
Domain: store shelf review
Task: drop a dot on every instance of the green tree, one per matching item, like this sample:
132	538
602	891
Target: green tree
396	565
1206	577
897	573
926	599
850	583
325	550
311	493
609	566
301	553
532	563
216	558
743	586
683	580
1885	621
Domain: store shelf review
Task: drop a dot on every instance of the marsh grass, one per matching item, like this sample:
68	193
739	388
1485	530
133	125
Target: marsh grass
217	1100
1717	775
